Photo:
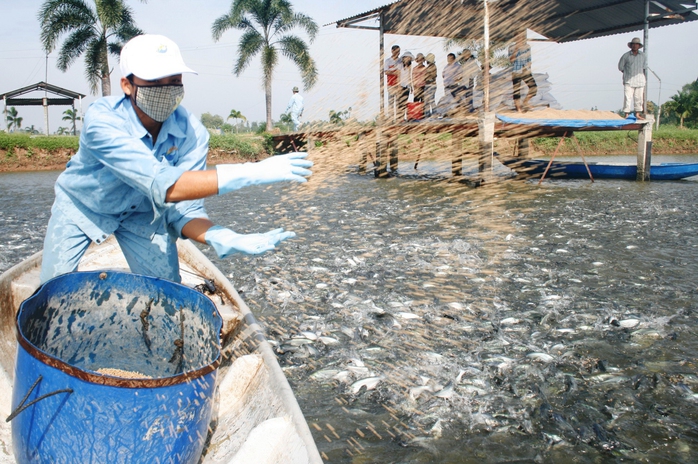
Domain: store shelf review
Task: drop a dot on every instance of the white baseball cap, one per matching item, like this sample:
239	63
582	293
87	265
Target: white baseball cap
152	57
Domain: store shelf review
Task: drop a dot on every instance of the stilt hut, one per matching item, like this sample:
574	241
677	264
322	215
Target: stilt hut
486	20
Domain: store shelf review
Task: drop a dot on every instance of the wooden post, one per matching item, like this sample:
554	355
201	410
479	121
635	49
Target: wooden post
523	148
644	149
457	160
485	126
381	169
361	142
394	153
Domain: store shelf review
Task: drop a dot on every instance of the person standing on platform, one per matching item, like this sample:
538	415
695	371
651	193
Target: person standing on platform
140	174
419	77
295	108
520	58
392	75
430	75
471	74
633	65
451	74
405	85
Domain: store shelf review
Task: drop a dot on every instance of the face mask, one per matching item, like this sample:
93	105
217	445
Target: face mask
159	101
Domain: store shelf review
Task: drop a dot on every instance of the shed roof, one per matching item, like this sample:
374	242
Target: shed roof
557	20
12	100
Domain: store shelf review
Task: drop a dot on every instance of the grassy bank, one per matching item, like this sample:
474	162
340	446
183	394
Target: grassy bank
668	140
22	152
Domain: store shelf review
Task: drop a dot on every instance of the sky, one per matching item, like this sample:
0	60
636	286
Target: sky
583	74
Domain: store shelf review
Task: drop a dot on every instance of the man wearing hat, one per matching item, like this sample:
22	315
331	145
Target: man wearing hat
295	108
633	65
140	174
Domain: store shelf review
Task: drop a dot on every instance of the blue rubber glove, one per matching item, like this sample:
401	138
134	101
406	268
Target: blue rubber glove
273	169
226	242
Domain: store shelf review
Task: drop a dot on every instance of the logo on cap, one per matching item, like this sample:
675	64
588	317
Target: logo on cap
162	48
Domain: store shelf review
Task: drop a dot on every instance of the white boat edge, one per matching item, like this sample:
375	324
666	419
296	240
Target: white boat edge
254	398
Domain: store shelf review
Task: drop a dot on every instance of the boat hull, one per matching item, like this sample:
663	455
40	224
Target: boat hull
577	170
256	417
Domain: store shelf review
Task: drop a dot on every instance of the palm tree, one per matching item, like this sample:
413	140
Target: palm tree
62	131
235	114
265	25
71	115
14	121
683	104
94	31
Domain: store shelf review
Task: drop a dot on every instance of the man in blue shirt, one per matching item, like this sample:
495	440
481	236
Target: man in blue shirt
140	174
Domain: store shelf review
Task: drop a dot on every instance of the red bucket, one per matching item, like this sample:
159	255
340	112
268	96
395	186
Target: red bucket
415	111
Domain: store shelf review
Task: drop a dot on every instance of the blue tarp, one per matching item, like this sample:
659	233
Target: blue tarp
569	122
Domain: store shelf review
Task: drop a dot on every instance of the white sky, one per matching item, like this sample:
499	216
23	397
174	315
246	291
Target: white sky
583	74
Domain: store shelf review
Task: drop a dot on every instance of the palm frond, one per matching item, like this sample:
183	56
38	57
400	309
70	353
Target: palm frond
299	20
269	59
250	44
75	45
58	17
96	63
295	49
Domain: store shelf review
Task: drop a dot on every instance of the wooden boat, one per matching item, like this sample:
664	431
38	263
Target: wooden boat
256	417
577	170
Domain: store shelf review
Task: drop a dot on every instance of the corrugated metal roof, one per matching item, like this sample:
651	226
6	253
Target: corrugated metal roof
558	20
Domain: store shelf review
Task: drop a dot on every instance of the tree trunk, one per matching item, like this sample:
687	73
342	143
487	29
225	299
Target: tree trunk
267	96
106	79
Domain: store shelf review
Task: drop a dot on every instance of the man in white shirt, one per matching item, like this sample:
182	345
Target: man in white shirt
451	74
405	85
295	107
392	74
633	64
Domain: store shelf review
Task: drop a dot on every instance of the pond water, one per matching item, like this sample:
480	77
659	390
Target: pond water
421	320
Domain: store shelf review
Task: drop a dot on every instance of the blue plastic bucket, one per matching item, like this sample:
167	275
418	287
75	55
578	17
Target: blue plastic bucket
160	344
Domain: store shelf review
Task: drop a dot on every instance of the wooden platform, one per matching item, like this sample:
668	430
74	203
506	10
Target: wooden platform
485	127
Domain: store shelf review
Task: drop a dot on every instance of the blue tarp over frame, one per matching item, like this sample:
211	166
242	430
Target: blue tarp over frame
575	123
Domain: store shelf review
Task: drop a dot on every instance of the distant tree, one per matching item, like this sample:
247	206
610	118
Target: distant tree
31	130
499	51
338	117
96	31
236	115
71	115
211	121
14	121
63	131
265	25
682	105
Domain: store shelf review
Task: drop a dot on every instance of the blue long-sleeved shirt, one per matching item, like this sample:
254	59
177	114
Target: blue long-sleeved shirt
119	178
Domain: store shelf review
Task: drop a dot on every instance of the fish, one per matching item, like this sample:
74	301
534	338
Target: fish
542	357
369	382
446	392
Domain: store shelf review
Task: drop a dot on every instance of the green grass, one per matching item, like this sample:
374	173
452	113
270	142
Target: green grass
666	138
13	141
243	145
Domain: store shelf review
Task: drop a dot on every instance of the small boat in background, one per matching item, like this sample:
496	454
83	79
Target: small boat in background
577	170
256	418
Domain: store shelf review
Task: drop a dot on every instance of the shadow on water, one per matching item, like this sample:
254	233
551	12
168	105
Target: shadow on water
433	322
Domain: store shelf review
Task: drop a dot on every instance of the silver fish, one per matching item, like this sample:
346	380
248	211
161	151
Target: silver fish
370	383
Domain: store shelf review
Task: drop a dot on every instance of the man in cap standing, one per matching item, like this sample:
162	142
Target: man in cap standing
430	84
140	174
633	65
295	107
